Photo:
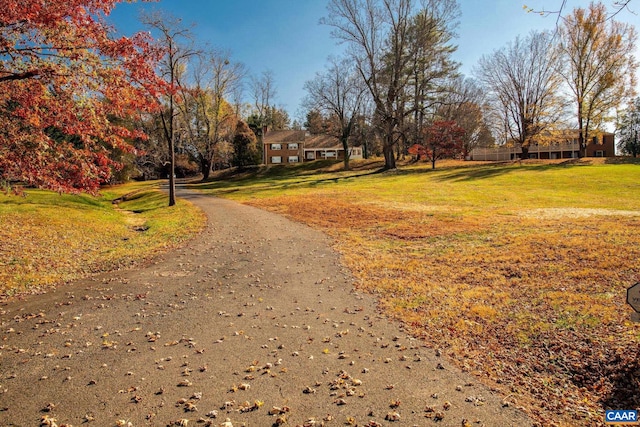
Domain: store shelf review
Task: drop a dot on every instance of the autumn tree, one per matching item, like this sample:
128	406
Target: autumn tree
379	35
245	147
207	115
617	6
151	150
465	103
524	87
600	66
339	93
277	118
63	81
629	130
441	140
174	40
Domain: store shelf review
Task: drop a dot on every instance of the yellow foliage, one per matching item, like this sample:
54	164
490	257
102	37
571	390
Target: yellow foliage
484	311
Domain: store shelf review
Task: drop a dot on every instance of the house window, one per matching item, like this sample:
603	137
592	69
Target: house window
329	154
293	146
311	155
276	159
293	159
276	147
599	153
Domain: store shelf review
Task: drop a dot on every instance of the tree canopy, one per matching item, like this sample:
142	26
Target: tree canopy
402	51
440	140
600	66
63	79
629	130
524	87
339	93
245	146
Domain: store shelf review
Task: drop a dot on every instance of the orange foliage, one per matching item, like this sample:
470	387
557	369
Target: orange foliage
62	79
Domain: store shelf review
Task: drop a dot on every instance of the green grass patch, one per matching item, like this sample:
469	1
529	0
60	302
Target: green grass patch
465	186
48	238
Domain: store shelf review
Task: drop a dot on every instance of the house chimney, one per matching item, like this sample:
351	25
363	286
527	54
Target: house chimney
265	129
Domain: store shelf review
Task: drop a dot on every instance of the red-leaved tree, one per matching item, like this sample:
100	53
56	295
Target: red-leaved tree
63	79
443	139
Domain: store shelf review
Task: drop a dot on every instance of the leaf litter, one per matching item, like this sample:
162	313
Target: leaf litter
532	303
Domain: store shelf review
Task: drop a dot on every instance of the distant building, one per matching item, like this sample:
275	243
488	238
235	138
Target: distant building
563	146
295	146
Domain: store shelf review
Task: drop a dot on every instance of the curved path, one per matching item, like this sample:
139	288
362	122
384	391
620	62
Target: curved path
254	321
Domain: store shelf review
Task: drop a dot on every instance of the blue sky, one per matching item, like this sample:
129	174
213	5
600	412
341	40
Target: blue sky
285	36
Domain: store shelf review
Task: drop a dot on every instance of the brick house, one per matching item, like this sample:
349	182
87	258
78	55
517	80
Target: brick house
564	146
295	146
283	146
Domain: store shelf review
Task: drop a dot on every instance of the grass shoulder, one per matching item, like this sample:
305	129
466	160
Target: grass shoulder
48	238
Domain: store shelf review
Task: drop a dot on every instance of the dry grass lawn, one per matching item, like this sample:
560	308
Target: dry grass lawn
47	238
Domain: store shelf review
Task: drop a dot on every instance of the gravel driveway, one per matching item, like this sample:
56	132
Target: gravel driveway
254	323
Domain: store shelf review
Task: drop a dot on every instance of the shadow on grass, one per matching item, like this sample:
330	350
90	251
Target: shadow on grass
610	373
475	172
624	379
276	171
261	184
278	177
622	160
617	371
311	174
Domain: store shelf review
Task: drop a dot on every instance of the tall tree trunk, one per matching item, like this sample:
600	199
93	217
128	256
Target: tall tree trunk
172	173
169	134
389	155
434	156
172	154
582	150
345	147
205	168
388	145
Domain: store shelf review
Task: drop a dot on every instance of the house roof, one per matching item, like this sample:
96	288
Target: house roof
279	136
318	142
322	142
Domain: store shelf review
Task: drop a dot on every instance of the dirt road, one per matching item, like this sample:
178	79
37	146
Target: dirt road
254	321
